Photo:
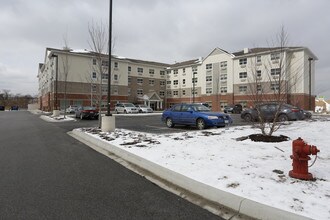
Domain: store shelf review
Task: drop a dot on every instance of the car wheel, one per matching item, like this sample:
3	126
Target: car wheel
283	117
125	111
200	124
116	111
248	117
140	111
169	123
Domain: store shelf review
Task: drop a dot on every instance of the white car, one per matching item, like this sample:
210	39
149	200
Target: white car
71	109
144	109
125	108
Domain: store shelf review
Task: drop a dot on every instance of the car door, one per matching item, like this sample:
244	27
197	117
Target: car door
187	116
176	114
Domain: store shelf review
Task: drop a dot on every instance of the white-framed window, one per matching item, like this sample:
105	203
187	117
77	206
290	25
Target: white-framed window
243	61
162	82
115	90
275	72
168	82
183	92
275	56
275	86
184	70
223	77
129	80
94	61
129	91
209	66
151	82
105	63
175	82
116	65
161	93
259	88
93	88
104	88
258	73
223	64
208	90
151	71
183	81
175	72
93	75
129	69
115	77
258	59
104	76
140	70
139	80
176	92
162	72
208	78
139	91
169	92
223	89
223	104
242	88
194	80
243	75
194	69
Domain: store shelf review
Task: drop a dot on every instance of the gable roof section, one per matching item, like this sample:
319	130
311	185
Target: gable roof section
217	51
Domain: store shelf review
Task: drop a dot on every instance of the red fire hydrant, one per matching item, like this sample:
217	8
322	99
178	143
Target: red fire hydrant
300	158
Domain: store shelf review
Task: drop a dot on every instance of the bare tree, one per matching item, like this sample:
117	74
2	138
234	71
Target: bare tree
281	79
98	43
66	68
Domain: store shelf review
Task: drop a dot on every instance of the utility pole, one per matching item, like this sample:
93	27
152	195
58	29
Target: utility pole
310	82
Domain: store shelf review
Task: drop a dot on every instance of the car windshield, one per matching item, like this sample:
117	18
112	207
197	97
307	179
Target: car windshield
200	108
129	105
143	106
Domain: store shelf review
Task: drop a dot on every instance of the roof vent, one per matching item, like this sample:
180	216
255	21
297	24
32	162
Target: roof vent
246	50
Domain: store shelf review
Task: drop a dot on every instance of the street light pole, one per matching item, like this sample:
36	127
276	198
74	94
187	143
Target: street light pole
310	82
109	60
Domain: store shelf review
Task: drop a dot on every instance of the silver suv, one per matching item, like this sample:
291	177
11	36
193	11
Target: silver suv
125	108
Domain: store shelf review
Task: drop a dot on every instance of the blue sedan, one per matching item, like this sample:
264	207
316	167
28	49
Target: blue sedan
196	115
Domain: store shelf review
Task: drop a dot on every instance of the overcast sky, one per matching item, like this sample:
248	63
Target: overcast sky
157	30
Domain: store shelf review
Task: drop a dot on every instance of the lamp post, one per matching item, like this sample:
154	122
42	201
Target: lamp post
108	122
56	78
109	60
310	82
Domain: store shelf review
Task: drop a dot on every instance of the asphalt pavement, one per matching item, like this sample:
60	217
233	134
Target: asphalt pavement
47	174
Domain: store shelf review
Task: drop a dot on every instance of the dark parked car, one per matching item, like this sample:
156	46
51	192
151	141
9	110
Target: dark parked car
2	108
235	109
268	110
87	112
14	108
196	115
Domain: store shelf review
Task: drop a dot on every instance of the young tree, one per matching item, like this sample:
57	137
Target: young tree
275	83
98	43
66	68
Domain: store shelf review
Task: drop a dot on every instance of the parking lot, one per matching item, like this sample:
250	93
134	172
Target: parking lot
141	122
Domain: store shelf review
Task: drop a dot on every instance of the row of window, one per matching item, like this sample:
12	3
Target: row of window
273	57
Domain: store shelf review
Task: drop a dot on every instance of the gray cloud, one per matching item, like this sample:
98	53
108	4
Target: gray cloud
158	30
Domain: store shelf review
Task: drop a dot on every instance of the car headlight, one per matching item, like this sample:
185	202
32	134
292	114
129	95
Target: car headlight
212	117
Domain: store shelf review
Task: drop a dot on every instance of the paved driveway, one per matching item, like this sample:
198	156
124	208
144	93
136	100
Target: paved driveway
47	174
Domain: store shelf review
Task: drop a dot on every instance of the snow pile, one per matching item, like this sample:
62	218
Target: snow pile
255	170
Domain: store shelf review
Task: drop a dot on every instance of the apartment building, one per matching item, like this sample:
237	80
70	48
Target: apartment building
219	79
69	77
245	77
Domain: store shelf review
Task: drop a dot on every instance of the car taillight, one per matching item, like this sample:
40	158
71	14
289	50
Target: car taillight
295	110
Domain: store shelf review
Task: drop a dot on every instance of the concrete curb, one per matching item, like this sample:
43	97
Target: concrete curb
239	204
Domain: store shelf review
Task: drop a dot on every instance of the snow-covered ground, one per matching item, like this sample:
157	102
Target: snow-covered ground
254	170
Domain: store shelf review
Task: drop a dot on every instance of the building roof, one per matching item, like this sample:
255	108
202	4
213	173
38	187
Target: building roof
263	49
185	63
